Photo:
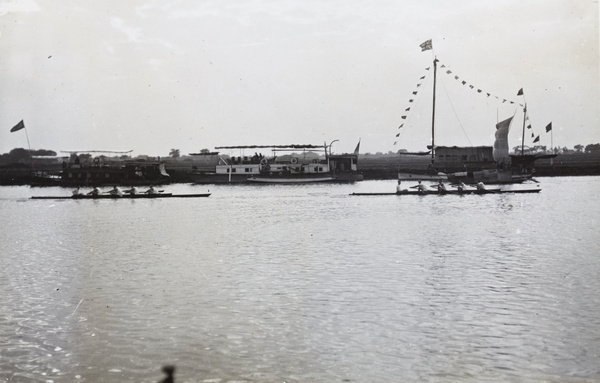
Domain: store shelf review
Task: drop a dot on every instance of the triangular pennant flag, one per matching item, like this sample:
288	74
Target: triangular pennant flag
520	92
415	92
418	85
528	126
532	135
478	90
401	125
443	66
464	82
548	127
403	117
456	77
407	109
471	86
19	126
536	139
398	135
411	100
422	78
395	142
448	71
504	100
488	94
427	68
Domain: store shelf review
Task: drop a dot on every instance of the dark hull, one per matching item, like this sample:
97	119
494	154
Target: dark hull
453	192
127	196
206	179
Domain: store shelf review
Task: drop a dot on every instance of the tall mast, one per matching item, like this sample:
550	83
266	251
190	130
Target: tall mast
524	119
433	113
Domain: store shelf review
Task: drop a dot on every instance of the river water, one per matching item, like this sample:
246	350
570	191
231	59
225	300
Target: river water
302	283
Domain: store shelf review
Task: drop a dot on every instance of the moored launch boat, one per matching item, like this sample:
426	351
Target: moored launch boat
303	164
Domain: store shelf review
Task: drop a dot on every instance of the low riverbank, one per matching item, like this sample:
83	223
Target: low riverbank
373	167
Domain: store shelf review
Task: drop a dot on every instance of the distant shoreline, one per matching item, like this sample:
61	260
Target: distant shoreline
373	167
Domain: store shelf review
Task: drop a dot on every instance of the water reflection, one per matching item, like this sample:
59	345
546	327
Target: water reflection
301	284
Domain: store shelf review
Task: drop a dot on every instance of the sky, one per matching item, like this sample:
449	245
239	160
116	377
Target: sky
151	76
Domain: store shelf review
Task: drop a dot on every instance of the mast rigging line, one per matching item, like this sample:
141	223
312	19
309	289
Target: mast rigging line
455	114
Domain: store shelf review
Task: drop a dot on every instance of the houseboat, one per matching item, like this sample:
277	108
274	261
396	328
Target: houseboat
287	164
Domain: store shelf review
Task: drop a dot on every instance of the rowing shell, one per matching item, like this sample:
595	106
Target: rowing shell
126	196
435	192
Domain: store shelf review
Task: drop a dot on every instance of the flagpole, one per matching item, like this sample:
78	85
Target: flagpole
433	112
552	146
29	146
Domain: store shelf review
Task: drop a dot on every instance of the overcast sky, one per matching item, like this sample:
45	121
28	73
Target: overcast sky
157	75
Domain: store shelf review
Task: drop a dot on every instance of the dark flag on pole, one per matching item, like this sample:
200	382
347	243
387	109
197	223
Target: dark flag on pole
536	139
520	92
357	148
548	127
19	126
426	46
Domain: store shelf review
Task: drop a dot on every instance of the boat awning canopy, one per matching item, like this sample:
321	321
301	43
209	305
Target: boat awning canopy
292	146
97	151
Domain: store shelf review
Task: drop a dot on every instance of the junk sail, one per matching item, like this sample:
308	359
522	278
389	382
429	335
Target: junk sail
501	149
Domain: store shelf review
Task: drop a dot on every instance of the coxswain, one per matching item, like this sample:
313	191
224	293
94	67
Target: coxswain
116	192
95	192
399	187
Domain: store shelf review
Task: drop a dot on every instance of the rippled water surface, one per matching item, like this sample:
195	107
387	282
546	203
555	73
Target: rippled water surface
302	284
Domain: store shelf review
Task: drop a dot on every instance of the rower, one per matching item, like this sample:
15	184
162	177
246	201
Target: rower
77	192
480	186
441	187
462	187
95	192
152	190
422	188
132	191
116	192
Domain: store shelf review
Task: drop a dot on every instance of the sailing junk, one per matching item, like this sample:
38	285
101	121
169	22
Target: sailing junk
474	164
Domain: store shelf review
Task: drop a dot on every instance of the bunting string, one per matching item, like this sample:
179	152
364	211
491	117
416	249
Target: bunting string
471	86
406	116
444	69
